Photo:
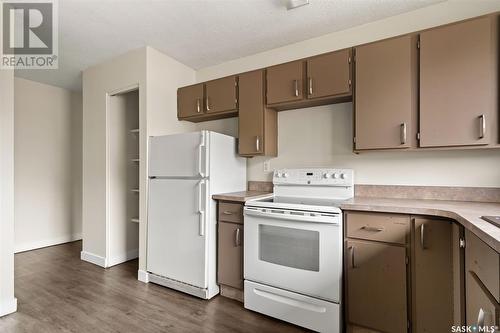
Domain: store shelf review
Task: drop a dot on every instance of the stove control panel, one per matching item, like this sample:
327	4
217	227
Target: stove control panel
323	177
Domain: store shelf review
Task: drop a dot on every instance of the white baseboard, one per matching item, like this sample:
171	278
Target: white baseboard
46	242
8	307
121	258
143	276
93	259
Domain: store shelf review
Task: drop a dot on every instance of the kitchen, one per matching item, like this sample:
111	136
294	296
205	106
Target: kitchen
351	129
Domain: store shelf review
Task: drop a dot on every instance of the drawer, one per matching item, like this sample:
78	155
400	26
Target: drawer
391	228
484	262
231	212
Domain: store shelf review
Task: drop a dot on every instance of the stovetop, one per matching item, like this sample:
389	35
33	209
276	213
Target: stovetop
298	203
313	189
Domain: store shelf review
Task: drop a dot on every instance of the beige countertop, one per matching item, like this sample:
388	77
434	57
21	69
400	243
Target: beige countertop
467	213
240	196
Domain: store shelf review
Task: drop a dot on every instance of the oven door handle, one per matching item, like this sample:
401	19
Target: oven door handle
331	218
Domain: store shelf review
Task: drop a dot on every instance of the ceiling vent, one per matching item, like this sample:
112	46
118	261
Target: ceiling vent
292	4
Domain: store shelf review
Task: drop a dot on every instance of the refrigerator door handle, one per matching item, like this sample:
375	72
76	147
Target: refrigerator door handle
201	207
202	155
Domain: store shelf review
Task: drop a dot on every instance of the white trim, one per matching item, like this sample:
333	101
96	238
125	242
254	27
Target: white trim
143	276
8	307
124	257
93	259
47	242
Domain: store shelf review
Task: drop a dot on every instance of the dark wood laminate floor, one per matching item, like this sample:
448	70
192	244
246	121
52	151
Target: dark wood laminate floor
57	292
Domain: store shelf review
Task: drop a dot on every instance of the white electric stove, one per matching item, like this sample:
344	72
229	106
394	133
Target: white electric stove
293	248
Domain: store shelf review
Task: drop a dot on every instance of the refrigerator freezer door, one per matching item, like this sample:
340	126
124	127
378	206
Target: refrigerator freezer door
180	155
177	230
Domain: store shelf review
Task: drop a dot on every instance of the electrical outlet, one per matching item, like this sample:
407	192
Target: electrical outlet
267	166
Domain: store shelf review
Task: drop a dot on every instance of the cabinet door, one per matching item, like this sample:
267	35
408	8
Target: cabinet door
456	84
376	286
329	74
385	98
284	82
230	255
220	95
251	113
433	287
190	101
258	133
482	309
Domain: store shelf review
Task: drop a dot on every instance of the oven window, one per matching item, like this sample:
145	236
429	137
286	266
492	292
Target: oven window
289	247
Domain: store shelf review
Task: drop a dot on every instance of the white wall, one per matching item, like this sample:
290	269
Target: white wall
158	78
128	70
322	136
47	130
8	303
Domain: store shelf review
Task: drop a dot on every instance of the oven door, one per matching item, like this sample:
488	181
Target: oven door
294	250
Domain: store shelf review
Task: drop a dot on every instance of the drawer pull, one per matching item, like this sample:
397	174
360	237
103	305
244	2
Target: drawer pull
226	212
376	229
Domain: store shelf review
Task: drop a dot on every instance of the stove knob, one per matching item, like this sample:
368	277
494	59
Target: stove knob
343	176
285	175
335	176
326	175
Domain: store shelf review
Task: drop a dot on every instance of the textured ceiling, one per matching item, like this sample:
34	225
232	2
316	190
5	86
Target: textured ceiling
195	32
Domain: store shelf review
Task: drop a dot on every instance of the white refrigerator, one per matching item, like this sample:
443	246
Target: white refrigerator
185	170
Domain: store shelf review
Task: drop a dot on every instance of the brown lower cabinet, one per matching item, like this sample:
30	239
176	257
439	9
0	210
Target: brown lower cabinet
403	273
230	249
376	286
482	265
437	281
230	255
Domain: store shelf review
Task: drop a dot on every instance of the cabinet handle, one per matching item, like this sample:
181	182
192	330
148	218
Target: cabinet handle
310	86
257	143
237	237
226	212
422	234
207	102
376	229
296	85
480	317
198	105
403	133
482	126
353	263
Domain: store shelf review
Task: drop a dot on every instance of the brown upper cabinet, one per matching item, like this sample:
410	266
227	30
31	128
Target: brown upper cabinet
258	133
385	96
314	81
329	74
285	82
220	95
190	101
210	100
458	83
